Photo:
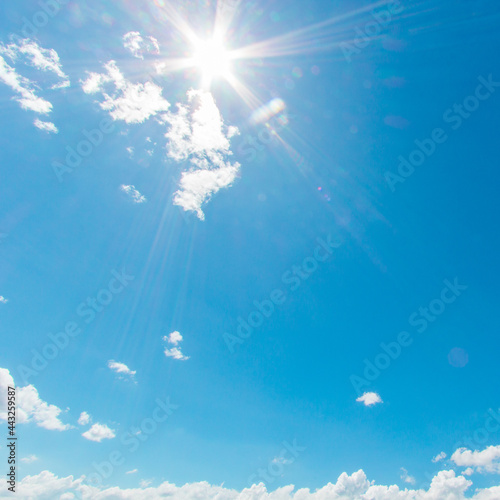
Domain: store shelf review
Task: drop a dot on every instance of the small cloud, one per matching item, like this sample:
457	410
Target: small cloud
133	193
29	459
175	353
439	457
121	368
84	418
3	300
145	483
138	45
133	471
98	432
468	472
369	399
406	477
46	126
173	338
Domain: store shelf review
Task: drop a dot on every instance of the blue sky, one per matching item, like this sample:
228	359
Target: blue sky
275	258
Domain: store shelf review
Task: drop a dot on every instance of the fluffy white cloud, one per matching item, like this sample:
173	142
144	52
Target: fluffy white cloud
130	102
439	457
197	186
174	338
98	432
487	460
30	53
29	459
136	196
84	418
138	45
46	126
369	399
197	133
445	486
3	300
30	408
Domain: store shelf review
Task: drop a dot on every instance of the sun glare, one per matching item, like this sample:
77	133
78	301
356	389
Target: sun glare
212	59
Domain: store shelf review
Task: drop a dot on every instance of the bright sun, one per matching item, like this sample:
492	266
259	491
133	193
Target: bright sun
212	59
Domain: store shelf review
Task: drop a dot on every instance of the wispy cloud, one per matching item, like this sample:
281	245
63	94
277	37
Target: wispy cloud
3	300
29	459
31	54
133	471
406	477
369	399
139	45
439	457
46	126
121	368
98	432
133	193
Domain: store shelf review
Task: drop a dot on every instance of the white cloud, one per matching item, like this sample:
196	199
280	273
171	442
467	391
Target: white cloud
46	126
439	457
29	459
98	432
197	133
445	485
369	399
40	58
138	45
31	54
30	408
197	186
25	88
406	477
133	193
120	368
144	483
487	460
84	418
133	471
175	353
173	338
130	102
3	300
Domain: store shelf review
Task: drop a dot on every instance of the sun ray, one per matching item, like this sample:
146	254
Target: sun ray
314	38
